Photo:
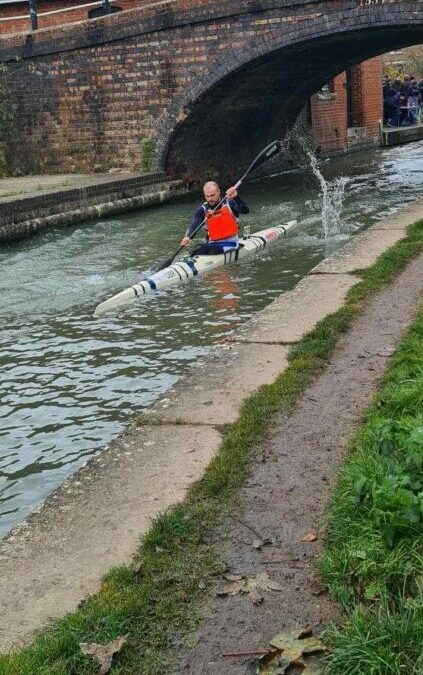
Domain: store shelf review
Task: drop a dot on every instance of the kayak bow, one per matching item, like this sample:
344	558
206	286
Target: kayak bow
190	267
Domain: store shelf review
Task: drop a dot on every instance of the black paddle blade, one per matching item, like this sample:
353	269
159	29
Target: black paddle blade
163	264
266	154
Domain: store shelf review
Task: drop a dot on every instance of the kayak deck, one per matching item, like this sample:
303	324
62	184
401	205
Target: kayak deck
188	268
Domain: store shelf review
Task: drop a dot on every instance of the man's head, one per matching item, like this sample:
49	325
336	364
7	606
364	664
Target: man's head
211	193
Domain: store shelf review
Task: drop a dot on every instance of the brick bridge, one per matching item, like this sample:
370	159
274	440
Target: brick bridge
185	85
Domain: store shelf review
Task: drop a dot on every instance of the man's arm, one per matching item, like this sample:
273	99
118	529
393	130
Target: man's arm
196	222
238	206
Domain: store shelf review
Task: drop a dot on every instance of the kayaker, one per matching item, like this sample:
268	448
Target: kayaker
222	224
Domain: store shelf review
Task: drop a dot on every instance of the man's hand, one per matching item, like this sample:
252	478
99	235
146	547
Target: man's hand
231	193
185	241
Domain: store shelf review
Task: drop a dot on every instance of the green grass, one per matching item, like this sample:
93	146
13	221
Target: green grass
158	604
373	562
387	640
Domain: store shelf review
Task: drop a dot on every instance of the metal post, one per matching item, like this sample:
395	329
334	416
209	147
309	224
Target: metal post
33	14
106	7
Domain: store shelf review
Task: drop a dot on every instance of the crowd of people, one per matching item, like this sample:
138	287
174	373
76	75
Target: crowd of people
402	101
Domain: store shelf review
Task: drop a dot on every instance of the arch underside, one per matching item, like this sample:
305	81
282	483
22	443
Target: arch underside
258	101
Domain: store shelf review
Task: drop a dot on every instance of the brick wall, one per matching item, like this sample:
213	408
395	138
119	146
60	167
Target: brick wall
372	101
195	85
329	117
338	126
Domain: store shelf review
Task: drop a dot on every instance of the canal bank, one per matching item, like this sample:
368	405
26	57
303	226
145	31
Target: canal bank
31	204
95	519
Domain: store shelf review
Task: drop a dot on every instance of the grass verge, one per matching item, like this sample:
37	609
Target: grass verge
156	602
373	561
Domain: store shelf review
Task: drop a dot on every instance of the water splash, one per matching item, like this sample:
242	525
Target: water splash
332	194
332	200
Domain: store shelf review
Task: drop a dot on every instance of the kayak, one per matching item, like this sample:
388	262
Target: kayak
190	267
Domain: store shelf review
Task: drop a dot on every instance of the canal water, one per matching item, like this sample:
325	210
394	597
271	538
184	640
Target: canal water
69	382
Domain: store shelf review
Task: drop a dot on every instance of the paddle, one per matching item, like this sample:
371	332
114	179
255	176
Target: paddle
268	152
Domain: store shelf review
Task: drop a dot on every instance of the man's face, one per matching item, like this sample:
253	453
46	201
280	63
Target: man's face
212	195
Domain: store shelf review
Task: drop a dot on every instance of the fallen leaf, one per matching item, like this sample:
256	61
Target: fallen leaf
298	648
257	544
309	537
255	597
103	654
137	567
314	666
233	577
249	585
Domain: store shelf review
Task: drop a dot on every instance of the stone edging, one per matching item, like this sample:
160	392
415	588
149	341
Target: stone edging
23	229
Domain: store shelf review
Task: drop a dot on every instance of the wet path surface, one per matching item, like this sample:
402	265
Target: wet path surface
69	382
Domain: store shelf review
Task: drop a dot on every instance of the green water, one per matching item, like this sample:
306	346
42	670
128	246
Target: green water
70	382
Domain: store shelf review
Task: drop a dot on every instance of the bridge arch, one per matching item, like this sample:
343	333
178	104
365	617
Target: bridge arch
227	115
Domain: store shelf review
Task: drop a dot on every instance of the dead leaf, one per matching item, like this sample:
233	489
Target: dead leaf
255	597
314	666
309	537
287	650
294	647
103	654
137	568
249	585
233	577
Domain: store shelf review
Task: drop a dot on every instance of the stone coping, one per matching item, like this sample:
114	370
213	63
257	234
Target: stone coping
19	188
54	212
59	197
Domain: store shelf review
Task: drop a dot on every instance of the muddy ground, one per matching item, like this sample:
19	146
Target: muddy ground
288	490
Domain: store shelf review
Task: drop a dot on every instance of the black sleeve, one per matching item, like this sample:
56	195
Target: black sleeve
238	206
198	218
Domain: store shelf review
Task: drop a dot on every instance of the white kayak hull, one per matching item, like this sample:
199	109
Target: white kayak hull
191	267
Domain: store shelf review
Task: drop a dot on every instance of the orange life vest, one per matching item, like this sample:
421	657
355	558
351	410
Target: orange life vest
221	224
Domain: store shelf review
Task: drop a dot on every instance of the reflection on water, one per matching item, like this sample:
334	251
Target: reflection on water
69	382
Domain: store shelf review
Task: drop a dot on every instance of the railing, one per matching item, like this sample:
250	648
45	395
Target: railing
106	5
34	13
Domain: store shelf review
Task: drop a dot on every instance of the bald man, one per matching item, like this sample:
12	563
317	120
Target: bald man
222	223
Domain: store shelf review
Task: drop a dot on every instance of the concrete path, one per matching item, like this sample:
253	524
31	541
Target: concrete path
15	189
56	557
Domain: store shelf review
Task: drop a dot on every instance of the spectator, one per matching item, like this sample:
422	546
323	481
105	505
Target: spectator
402	100
413	105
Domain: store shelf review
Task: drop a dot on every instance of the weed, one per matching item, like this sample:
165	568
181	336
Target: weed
147	150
